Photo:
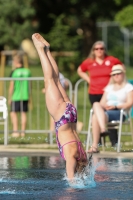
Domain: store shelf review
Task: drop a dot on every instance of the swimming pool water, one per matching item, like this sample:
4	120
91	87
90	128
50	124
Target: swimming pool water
38	177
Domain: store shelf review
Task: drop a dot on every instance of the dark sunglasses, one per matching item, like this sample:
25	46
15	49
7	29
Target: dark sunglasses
100	48
116	74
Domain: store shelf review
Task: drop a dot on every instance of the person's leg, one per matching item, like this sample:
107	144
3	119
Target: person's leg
14	120
95	131
113	136
23	123
96	98
54	99
100	115
14	117
96	134
56	75
23	111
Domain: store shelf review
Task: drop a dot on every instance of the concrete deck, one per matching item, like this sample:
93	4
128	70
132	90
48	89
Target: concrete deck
28	149
48	150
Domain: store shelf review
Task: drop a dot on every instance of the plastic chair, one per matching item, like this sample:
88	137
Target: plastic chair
112	125
4	118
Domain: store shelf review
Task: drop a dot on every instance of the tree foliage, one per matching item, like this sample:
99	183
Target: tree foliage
124	17
72	25
80	16
68	25
64	19
61	37
15	21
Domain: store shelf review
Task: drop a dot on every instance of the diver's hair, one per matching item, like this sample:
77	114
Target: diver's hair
18	57
92	55
80	167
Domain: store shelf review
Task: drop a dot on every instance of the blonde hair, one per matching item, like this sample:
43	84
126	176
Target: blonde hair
18	57
91	54
111	81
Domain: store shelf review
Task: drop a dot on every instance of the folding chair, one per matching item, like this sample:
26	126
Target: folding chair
112	125
4	118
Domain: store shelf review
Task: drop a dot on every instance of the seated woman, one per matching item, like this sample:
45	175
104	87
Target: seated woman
62	111
118	94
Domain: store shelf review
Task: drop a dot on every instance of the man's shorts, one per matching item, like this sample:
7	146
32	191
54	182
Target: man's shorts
19	106
114	115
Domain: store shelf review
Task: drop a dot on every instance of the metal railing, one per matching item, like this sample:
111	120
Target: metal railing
82	103
37	117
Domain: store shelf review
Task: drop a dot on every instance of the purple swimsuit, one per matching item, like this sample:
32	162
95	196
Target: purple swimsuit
69	116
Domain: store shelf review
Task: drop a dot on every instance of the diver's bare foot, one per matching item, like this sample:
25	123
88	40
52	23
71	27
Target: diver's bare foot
39	41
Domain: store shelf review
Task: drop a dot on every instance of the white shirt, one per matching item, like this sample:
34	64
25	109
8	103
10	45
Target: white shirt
115	98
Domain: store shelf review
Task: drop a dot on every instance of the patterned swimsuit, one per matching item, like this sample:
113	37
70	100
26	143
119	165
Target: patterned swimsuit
69	116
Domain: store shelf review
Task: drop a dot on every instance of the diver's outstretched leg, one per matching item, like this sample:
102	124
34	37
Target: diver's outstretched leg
56	75
54	65
54	99
40	44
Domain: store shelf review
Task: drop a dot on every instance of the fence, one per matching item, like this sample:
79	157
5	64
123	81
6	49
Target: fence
82	103
37	117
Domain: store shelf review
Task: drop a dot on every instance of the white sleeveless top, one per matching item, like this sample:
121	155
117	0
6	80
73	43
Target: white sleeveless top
115	98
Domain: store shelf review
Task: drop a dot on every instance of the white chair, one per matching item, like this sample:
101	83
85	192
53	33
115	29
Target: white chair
4	117
111	125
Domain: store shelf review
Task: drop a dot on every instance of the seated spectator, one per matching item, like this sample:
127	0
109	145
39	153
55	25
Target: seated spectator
118	94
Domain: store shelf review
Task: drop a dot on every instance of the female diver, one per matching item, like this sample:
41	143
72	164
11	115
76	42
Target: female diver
62	111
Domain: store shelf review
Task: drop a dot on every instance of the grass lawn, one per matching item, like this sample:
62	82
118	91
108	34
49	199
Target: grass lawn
38	138
35	138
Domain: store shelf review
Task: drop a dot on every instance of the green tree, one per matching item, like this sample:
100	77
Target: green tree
80	15
62	40
15	21
72	26
124	17
61	37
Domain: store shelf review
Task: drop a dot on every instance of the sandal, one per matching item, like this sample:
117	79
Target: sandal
93	150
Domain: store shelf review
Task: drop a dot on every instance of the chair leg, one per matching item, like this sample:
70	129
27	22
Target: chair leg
102	140
5	132
119	132
89	131
131	129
